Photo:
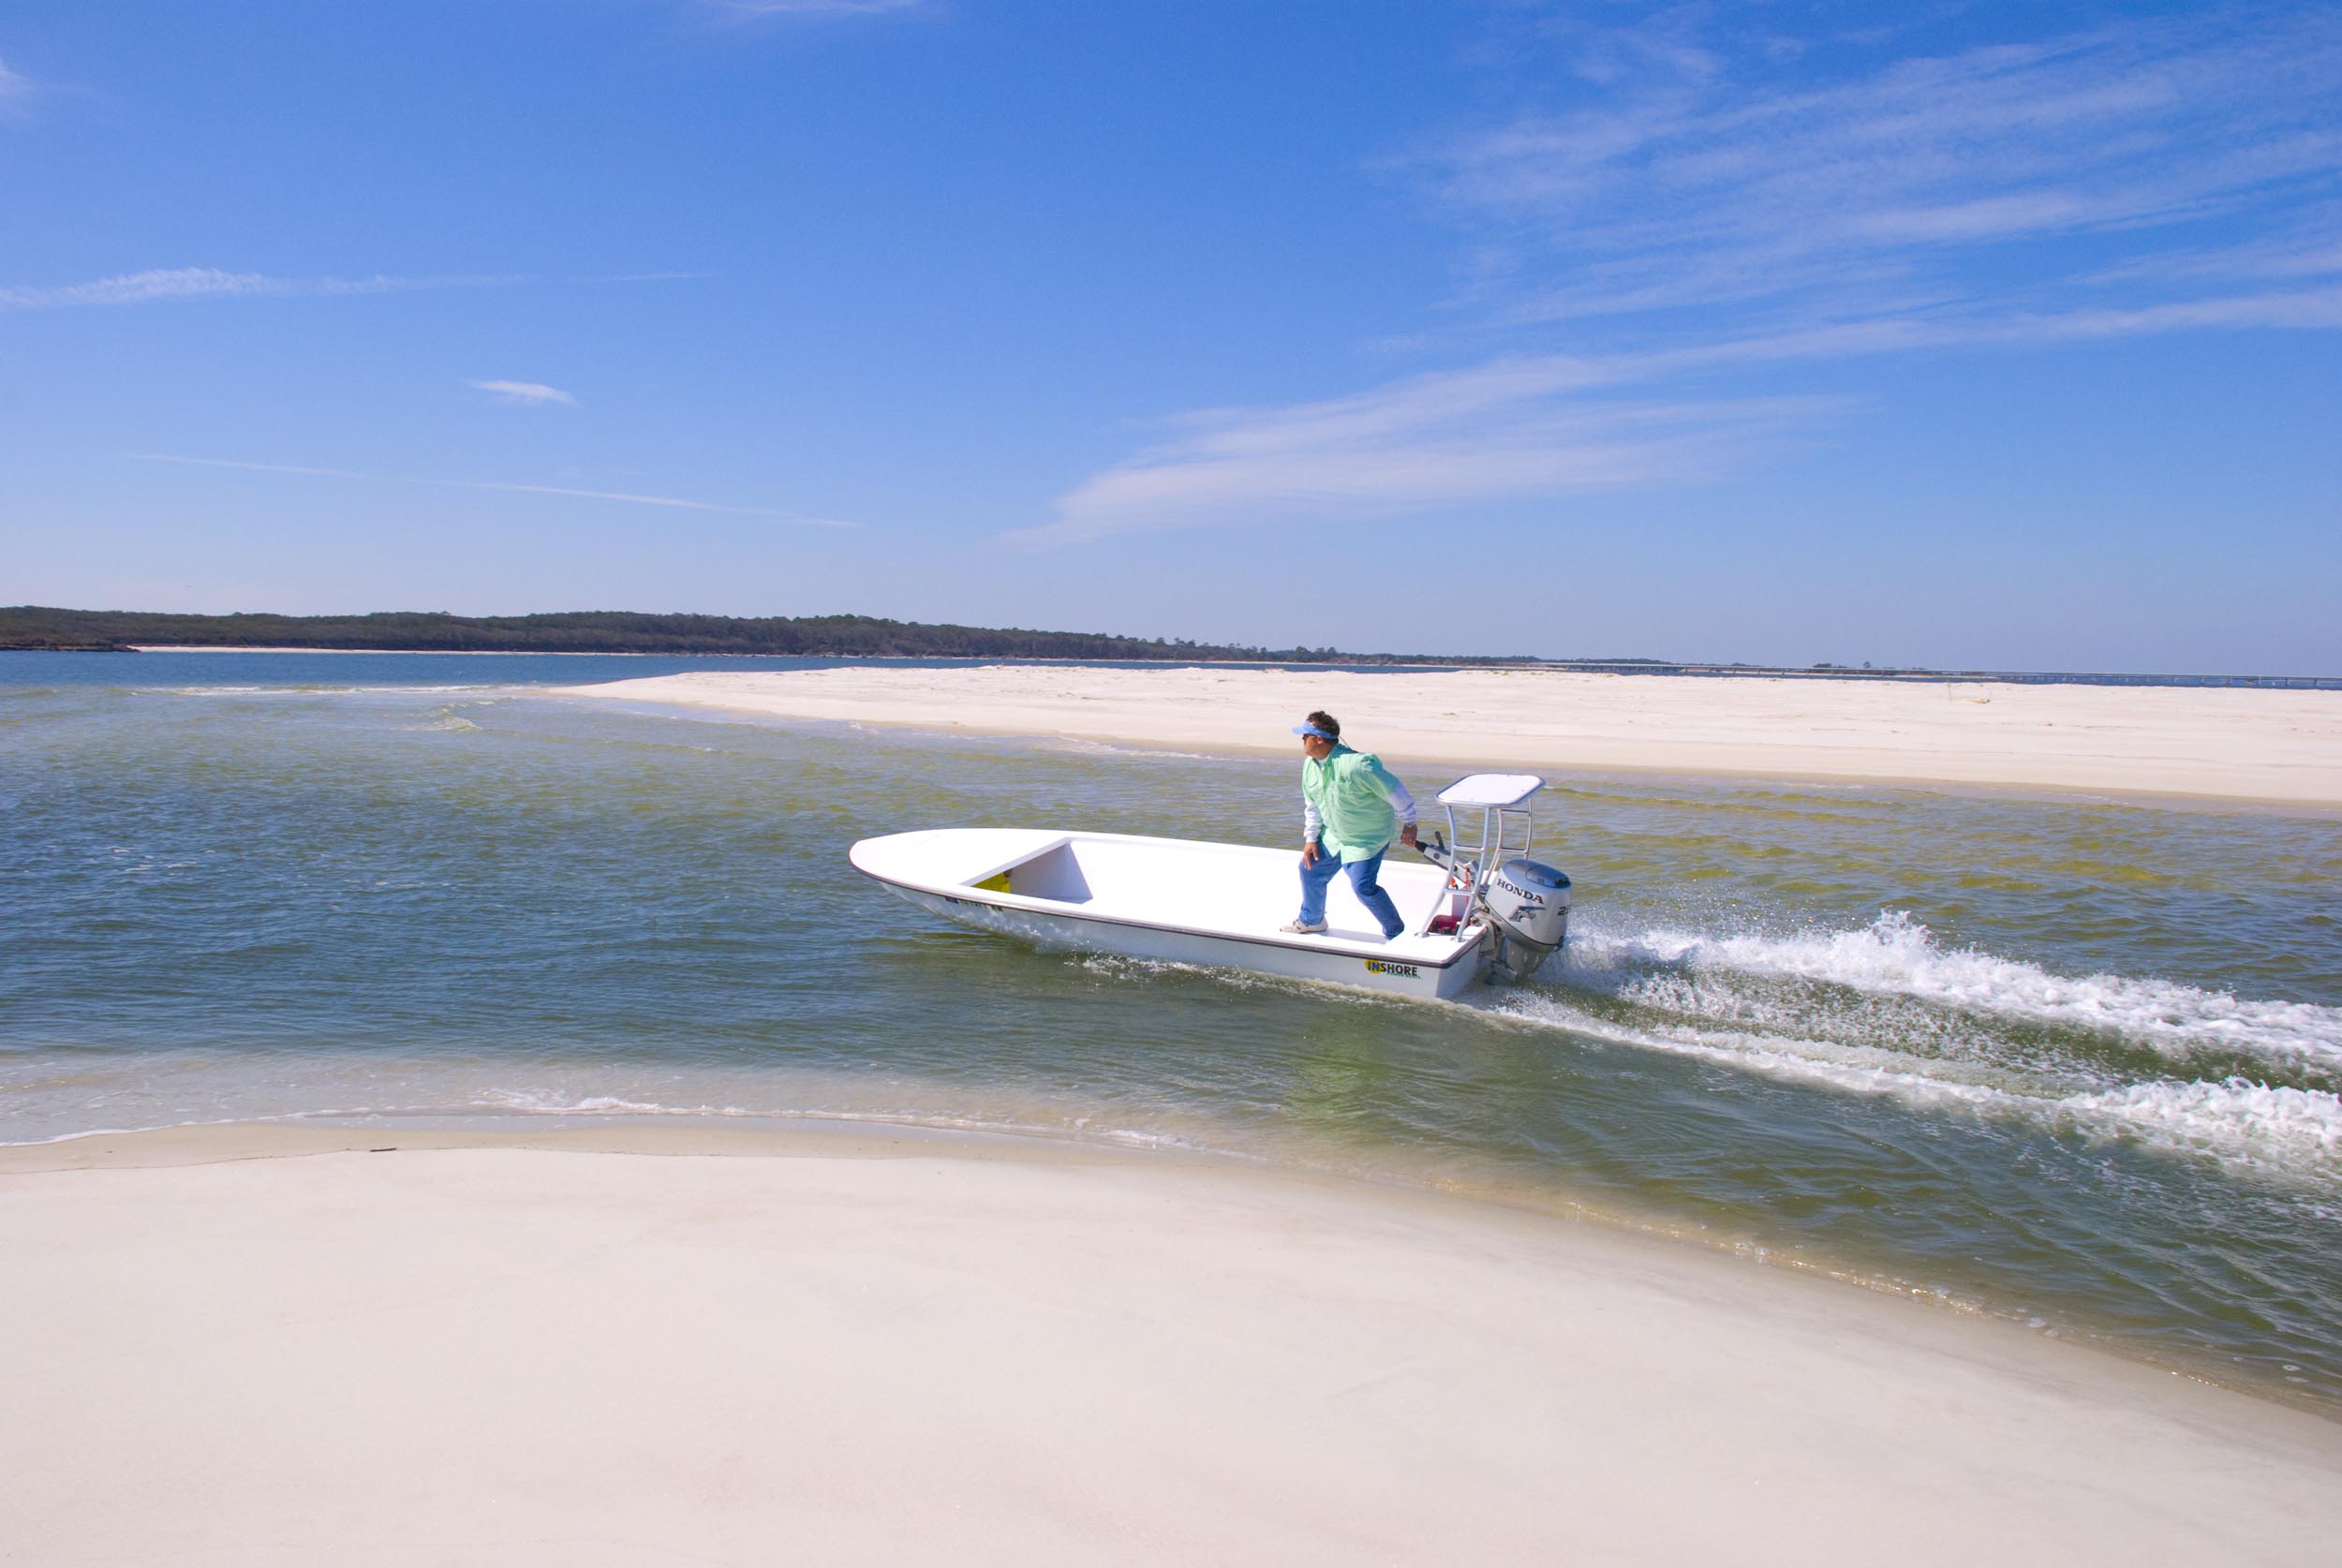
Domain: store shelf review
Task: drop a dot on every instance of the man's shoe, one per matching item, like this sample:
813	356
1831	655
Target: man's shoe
1303	927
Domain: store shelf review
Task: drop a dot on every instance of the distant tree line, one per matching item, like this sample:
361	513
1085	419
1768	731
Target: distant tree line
32	627
619	631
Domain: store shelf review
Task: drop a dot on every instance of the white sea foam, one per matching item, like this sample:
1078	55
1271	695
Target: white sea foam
1116	966
2236	1121
1896	955
349	1113
2276	1130
1080	1128
1102	749
541	1103
1854	1069
2280	1130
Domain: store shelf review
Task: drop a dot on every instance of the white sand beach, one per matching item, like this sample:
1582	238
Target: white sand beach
2239	743
263	1345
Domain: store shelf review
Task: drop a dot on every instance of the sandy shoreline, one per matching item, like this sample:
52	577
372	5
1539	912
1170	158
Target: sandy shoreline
234	1346
2269	747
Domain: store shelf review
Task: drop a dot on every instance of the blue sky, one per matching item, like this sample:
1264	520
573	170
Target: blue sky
1970	334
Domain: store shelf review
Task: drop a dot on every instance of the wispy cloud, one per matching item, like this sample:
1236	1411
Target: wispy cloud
201	283
16	89
212	283
1691	186
818	8
2306	247
1415	448
627	497
1549	426
1691	216
533	393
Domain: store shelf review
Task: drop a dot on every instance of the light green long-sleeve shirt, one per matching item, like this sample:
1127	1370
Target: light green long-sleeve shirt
1351	803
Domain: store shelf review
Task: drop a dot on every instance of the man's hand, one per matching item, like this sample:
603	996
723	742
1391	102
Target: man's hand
1310	852
1406	836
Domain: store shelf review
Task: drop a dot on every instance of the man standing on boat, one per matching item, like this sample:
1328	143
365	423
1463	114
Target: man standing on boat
1351	808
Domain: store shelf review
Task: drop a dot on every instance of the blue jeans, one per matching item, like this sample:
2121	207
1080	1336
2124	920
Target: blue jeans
1318	875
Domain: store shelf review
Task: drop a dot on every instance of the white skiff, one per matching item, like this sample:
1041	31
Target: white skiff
1481	910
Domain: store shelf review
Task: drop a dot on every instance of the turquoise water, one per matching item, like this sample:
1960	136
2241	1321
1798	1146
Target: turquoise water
2067	1061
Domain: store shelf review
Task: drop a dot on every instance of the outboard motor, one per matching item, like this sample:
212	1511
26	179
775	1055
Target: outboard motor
1529	904
1491	877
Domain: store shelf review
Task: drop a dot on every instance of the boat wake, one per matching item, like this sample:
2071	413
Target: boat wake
1887	1010
1895	955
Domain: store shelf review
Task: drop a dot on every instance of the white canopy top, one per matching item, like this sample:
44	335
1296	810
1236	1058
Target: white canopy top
1491	789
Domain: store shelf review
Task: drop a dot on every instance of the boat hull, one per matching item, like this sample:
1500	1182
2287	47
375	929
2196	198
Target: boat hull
941	871
1072	934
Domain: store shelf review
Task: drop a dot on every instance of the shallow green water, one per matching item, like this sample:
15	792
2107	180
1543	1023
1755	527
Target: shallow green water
2067	1062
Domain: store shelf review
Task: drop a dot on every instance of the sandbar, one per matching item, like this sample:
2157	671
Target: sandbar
2230	743
260	1346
